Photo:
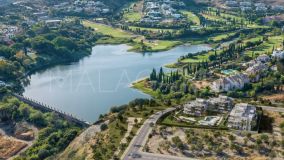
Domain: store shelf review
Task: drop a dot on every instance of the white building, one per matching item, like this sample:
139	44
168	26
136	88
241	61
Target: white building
278	54
243	117
233	82
196	108
221	104
256	71
2	83
53	22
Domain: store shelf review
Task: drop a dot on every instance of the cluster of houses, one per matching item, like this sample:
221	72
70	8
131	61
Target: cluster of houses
242	116
256	69
88	6
160	10
199	107
248	5
7	33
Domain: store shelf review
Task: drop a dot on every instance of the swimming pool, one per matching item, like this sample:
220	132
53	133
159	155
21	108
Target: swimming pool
229	72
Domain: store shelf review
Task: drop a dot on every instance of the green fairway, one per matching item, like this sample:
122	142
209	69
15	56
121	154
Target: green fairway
108	30
266	47
192	17
221	37
132	16
159	45
149	29
163	44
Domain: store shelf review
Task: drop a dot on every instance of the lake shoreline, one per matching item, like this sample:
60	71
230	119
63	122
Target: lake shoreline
107	81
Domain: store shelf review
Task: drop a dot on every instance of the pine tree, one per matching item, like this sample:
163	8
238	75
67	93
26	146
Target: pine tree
153	75
161	73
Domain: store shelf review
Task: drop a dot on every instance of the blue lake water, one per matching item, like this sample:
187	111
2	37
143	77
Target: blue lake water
93	85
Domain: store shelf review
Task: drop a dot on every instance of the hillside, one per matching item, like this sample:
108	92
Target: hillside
268	2
117	4
273	2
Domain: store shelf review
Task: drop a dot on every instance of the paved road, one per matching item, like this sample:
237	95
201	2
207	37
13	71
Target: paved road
139	141
274	109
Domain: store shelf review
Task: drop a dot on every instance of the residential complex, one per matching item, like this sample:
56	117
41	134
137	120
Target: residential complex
7	32
161	10
200	106
256	69
243	117
247	6
232	82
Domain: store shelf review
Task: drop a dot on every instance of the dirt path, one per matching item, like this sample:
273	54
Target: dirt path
14	146
29	143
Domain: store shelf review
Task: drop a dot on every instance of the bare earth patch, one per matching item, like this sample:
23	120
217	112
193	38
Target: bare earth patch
275	97
10	146
201	84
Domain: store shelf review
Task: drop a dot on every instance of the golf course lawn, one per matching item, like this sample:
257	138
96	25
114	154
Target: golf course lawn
108	30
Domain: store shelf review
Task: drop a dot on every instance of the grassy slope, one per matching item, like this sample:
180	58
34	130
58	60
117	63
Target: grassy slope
132	16
108	30
119	36
266	47
192	17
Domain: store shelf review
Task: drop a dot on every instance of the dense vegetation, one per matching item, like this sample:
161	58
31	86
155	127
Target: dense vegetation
42	46
55	133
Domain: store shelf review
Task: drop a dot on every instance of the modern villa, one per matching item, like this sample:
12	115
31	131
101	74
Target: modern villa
243	117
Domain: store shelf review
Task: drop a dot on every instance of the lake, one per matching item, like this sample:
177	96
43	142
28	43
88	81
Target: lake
93	85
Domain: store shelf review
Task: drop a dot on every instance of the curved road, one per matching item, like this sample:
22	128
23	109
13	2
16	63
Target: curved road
138	142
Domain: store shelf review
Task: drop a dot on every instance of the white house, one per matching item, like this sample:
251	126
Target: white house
53	22
243	117
278	54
